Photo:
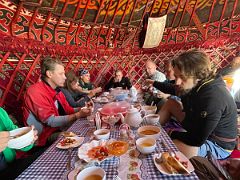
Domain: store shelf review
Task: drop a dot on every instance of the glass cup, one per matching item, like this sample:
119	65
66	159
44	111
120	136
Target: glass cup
117	148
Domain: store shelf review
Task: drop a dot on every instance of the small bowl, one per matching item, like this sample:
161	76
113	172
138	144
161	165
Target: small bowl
102	134
149	109
23	137
146	145
152	118
92	173
149	131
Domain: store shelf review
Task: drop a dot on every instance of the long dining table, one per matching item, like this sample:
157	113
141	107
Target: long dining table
52	164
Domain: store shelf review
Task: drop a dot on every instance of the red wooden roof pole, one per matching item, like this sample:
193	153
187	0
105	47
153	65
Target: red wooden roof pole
95	23
12	79
191	15
47	19
109	28
36	60
221	18
175	14
59	20
80	23
94	64
113	30
168	10
130	18
233	11
71	22
15	17
209	19
121	20
159	11
180	20
190	20
85	10
152	8
32	18
102	26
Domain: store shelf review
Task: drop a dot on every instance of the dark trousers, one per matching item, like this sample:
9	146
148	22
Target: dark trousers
15	168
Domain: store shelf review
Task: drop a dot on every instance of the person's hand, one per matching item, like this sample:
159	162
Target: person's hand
91	94
97	90
149	82
232	166
35	132
4	138
90	105
84	112
162	95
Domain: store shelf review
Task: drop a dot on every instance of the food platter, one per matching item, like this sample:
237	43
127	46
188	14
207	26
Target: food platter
70	142
94	151
181	158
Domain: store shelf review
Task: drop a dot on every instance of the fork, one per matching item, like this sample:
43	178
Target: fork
69	159
169	150
158	159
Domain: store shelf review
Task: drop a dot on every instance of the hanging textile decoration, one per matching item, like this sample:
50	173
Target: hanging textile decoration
155	31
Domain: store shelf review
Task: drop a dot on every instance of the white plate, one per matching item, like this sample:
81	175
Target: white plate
83	151
181	156
79	141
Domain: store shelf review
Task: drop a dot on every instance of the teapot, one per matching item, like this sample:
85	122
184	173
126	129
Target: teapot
133	117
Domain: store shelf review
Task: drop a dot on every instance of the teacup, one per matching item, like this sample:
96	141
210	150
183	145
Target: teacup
89	173
149	109
152	118
102	134
146	145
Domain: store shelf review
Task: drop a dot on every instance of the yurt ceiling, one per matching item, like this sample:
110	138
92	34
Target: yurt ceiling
101	24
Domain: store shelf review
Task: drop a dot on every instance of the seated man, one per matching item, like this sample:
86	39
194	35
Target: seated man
10	168
70	90
119	81
46	107
232	71
85	85
209	113
155	75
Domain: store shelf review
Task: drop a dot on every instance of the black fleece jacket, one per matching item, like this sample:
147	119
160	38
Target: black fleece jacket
210	109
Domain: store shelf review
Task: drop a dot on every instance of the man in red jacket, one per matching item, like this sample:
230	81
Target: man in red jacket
46	107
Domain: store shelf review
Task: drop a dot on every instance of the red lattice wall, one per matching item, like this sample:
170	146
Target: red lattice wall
20	63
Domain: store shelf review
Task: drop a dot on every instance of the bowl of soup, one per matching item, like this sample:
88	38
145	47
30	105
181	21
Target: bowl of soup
149	109
102	134
21	138
146	145
92	173
149	131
